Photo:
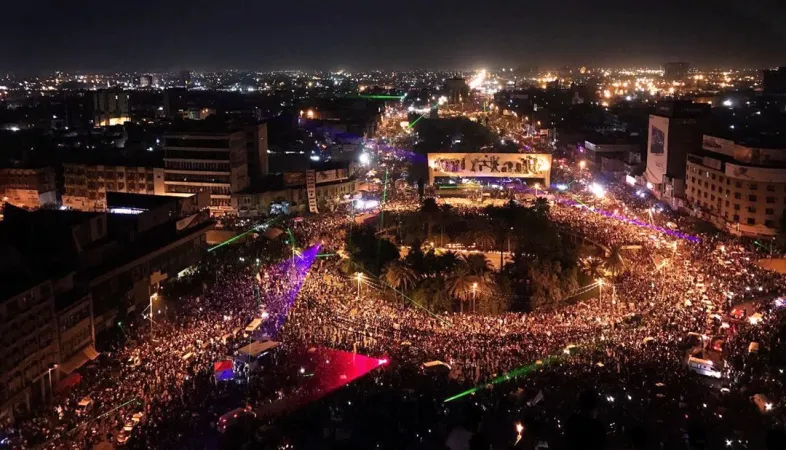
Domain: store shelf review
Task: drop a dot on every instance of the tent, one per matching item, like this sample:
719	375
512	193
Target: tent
253	325
78	360
256	348
431	364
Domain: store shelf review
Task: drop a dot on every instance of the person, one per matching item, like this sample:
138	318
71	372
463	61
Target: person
583	431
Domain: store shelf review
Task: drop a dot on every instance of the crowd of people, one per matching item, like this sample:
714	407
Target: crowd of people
625	343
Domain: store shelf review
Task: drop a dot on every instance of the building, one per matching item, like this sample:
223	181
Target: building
197	160
611	154
456	90
86	184
774	81
676	71
110	107
288	192
145	81
257	150
737	187
675	129
28	187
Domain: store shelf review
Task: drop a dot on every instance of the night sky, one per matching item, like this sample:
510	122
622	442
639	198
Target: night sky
40	35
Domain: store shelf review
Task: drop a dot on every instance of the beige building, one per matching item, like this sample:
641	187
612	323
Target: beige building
28	188
86	185
739	188
294	198
204	161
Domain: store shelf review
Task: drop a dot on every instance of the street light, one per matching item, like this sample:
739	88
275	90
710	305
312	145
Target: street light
153	296
54	366
359	276
582	164
537	186
600	288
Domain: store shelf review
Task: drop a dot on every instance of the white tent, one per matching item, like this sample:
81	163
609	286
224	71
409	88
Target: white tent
256	348
431	364
253	325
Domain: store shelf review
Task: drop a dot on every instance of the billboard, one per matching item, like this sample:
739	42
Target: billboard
657	149
498	165
311	191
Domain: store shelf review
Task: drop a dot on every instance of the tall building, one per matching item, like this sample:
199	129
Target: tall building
145	81
675	71
110	107
257	149
197	160
28	187
674	131
774	81
184	79
456	90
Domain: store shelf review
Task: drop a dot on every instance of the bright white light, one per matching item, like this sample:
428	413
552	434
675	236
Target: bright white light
478	80
727	103
562	187
315	157
364	158
442	100
14	128
597	190
628	98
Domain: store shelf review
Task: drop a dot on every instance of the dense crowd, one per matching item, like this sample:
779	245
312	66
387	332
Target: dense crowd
613	342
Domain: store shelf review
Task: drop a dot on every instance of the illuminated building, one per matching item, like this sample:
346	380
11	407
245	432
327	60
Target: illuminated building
86	184
739	188
674	131
675	71
201	159
28	188
110	108
529	167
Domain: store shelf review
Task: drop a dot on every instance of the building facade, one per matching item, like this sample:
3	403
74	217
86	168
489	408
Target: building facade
28	333
28	188
257	150
215	162
86	185
674	131
110	107
738	188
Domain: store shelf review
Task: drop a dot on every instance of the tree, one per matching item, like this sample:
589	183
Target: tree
592	267
459	284
430	211
478	265
541	206
615	262
484	239
399	275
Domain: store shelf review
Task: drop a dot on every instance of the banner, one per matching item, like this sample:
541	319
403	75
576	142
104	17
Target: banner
311	191
505	165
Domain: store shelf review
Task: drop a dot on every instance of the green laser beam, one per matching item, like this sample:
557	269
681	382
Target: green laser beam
325	255
382	97
245	233
524	370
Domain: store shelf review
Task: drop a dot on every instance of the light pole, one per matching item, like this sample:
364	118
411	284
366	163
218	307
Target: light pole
537	186
474	292
359	276
600	289
153	296
54	366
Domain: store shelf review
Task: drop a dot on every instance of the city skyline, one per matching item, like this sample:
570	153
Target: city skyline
359	36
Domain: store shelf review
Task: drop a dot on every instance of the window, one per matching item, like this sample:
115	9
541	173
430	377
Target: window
751	221
736	206
737	195
738	184
769	211
752	209
754	186
712	176
720	178
752	198
770	188
769	224
770	199
736	218
727	203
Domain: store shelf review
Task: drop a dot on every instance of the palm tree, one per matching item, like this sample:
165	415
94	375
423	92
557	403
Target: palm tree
615	263
459	284
431	211
399	275
478	265
484	239
592	267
